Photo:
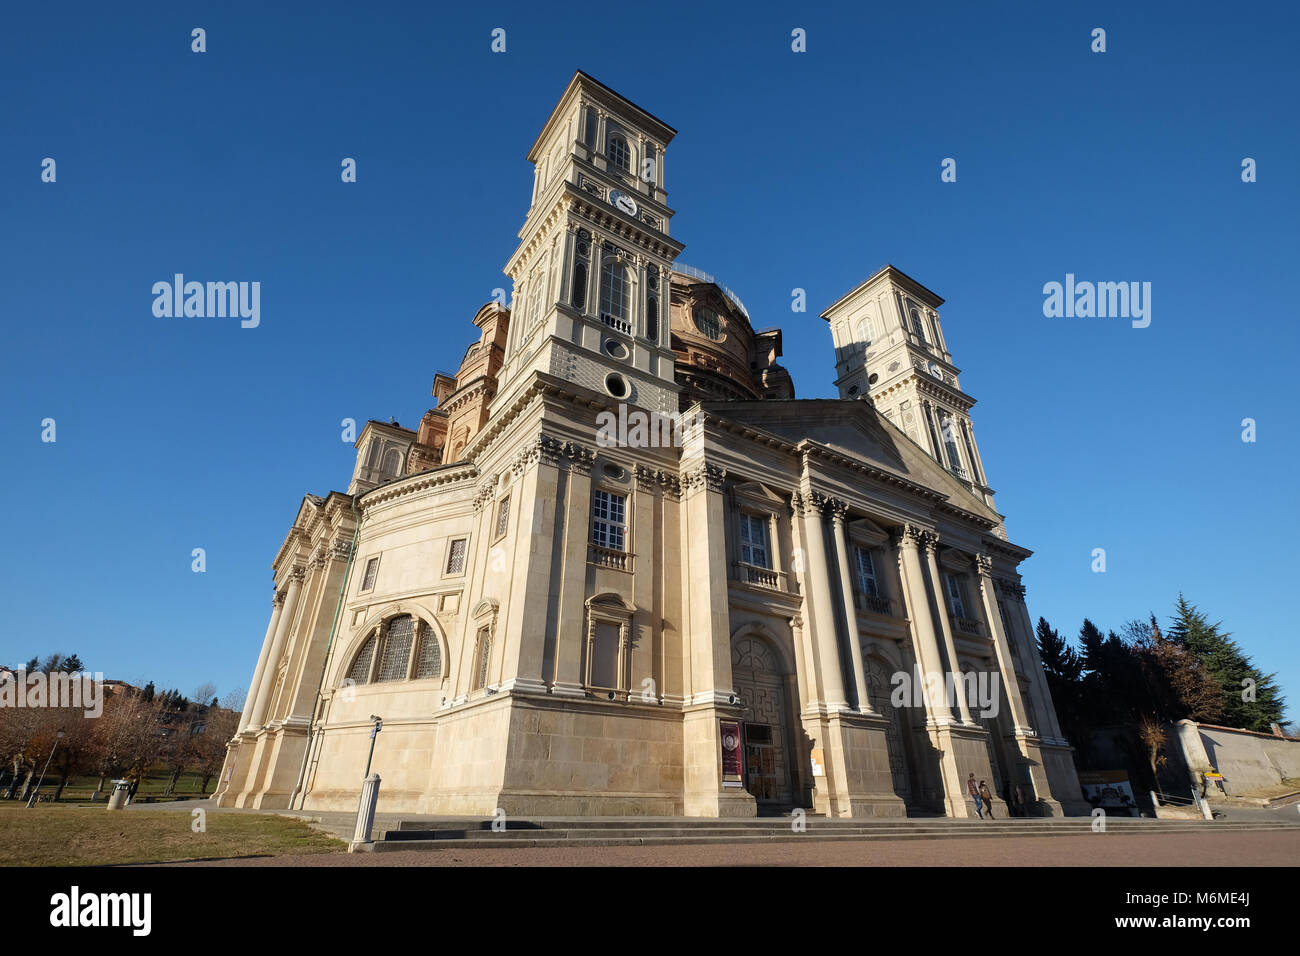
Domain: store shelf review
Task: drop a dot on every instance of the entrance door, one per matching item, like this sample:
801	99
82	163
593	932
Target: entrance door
762	690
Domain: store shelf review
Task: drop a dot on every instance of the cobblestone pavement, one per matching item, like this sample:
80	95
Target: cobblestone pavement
1225	849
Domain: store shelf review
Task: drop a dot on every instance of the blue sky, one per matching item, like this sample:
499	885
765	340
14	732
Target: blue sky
789	170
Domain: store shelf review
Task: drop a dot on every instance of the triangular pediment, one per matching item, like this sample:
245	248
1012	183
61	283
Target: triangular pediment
853	428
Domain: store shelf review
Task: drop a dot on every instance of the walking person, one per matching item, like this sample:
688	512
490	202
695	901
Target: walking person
975	795
987	796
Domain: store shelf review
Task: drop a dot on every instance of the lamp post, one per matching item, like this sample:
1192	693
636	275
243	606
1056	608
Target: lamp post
374	732
58	735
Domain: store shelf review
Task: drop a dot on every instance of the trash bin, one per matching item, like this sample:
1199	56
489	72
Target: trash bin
117	800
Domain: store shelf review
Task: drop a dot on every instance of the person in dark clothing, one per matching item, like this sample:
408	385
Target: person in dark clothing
987	796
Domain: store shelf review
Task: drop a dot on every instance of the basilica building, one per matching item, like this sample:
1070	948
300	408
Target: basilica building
737	621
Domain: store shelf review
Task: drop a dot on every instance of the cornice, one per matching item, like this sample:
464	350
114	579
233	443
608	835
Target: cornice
455	473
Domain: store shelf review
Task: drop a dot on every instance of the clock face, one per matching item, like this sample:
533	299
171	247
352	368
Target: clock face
623	201
935	370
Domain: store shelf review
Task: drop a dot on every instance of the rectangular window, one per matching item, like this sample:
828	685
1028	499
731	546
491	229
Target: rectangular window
948	429
482	657
753	541
456	556
604	656
372	571
867	583
609	521
589	127
503	517
955	602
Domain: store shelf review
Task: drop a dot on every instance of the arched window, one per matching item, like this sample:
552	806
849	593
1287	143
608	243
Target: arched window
614	289
392	462
536	284
917	325
360	671
652	303
401	641
396	659
618	152
581	259
429	663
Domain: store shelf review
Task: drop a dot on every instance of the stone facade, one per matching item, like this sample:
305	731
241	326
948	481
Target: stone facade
552	623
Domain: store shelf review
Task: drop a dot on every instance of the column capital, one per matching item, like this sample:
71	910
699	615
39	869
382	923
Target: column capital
297	574
983	565
705	476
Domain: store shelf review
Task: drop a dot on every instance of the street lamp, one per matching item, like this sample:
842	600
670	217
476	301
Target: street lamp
58	735
374	732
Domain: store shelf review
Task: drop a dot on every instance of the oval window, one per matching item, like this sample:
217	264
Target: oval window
709	323
616	385
615	349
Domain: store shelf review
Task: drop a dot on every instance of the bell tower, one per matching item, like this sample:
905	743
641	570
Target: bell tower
591	271
889	347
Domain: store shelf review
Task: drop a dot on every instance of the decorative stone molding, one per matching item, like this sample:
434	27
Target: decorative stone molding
983	565
487	489
552	452
1011	589
706	476
297	573
340	549
838	509
278	599
317	559
651	479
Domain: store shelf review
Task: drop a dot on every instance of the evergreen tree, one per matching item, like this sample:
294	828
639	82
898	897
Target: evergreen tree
1064	671
1251	698
146	695
72	665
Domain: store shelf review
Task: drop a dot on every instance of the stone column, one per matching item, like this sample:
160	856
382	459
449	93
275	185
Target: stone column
277	605
567	674
839	511
817	579
917	603
931	545
1006	663
267	683
1039	679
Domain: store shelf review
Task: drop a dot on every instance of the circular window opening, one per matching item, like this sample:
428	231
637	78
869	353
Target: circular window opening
615	349
615	472
873	378
709	323
616	385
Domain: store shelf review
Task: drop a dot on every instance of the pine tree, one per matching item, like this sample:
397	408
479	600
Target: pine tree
1231	667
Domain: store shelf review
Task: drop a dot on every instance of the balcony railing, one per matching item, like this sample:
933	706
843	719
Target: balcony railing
615	323
609	558
961	472
872	603
967	626
763	577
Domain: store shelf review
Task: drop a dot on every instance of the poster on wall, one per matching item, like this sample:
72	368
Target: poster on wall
731	760
1108	789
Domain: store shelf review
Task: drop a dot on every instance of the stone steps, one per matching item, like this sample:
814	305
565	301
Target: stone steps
477	834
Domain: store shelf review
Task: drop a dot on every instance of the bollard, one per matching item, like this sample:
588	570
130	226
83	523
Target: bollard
117	800
365	814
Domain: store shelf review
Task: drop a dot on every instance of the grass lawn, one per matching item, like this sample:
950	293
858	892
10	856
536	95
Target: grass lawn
59	835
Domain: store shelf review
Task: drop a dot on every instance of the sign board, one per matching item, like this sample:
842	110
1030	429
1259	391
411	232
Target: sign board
731	754
818	763
1108	789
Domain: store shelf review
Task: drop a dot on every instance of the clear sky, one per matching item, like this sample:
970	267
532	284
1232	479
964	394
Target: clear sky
805	170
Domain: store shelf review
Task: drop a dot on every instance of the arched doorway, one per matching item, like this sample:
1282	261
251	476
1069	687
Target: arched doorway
759	680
